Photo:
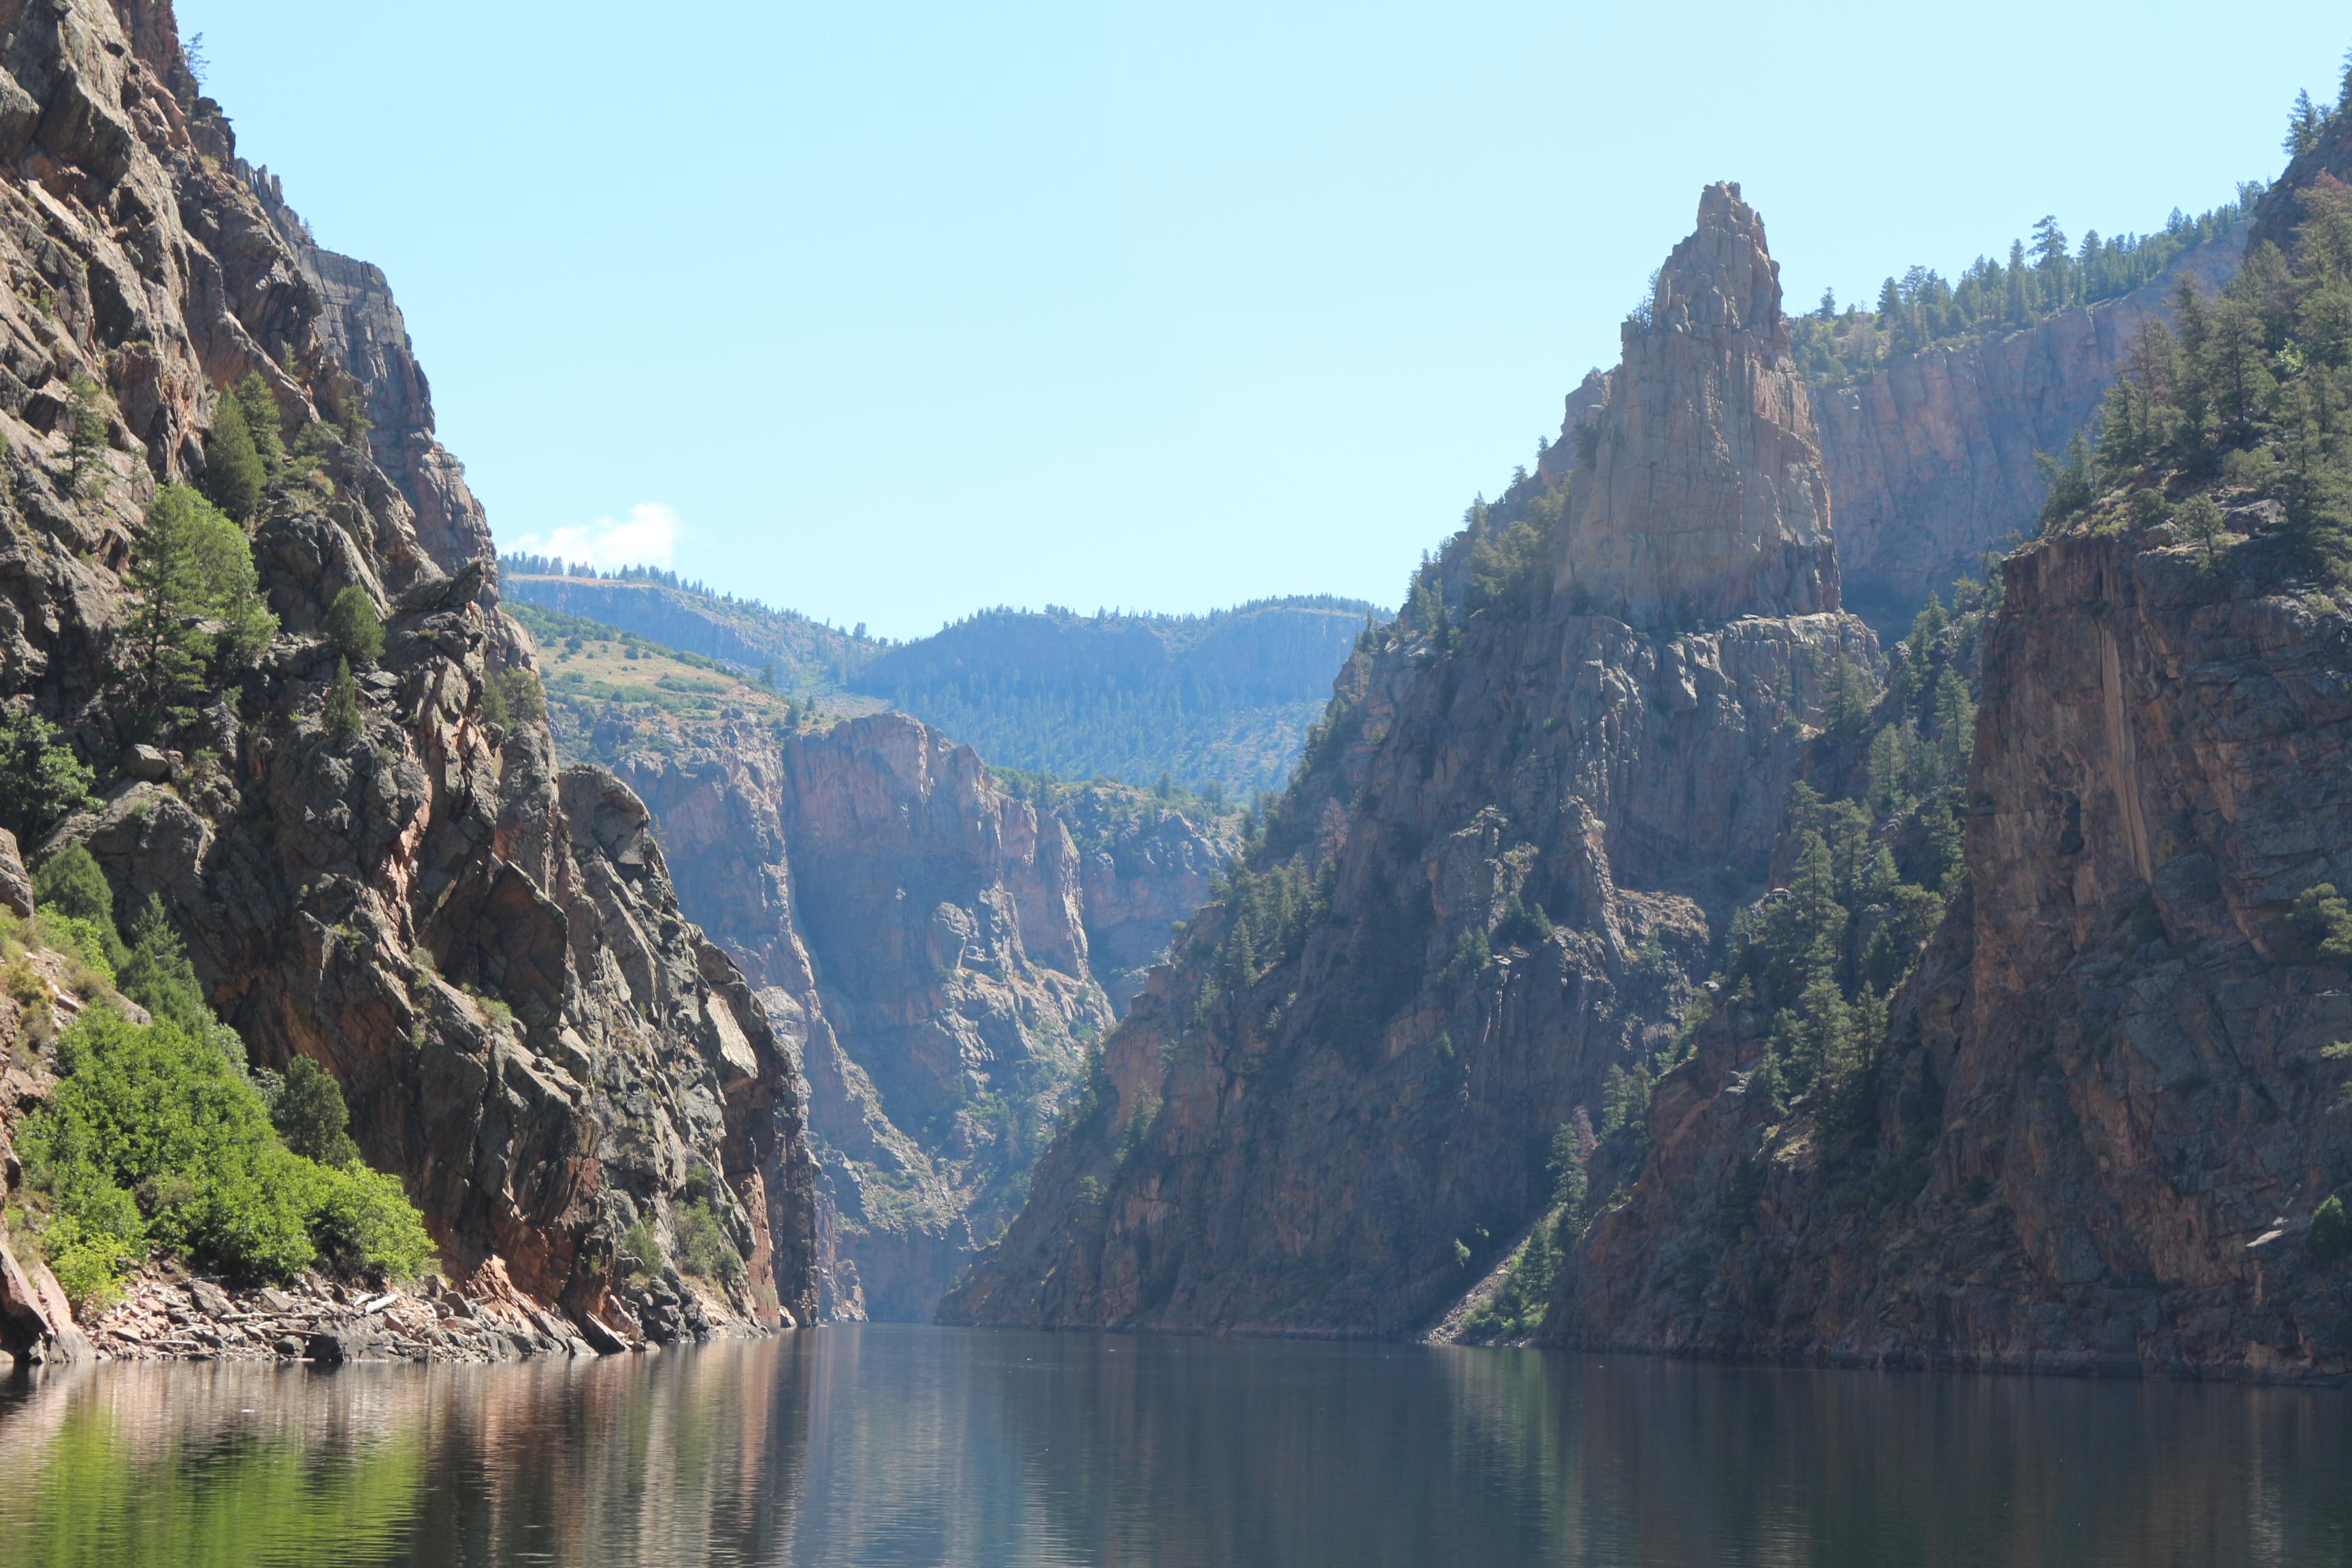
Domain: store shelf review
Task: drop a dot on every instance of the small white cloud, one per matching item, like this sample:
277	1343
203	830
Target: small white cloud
646	537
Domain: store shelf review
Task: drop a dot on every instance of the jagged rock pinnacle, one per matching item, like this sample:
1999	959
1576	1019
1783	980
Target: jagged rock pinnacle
1702	500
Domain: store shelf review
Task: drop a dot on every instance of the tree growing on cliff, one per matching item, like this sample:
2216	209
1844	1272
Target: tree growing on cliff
196	609
86	438
233	476
42	782
353	629
310	1114
344	719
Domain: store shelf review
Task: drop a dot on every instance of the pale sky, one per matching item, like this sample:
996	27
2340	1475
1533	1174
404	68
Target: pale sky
888	311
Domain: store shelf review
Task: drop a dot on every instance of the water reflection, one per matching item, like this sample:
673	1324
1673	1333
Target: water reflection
877	1446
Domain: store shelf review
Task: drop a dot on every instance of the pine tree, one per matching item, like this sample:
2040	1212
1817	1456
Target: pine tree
344	720
352	626
86	436
195	606
2303	124
233	472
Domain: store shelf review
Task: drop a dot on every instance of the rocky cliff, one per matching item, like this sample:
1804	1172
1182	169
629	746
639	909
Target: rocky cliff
1531	803
2099	1125
1930	461
1930	458
937	951
481	946
2111	1104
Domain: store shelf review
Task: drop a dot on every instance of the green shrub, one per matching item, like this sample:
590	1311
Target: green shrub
154	1138
311	1116
344	719
2323	923
42	782
703	1250
70	883
640	1256
2331	1233
362	1222
514	696
353	627
93	943
89	1261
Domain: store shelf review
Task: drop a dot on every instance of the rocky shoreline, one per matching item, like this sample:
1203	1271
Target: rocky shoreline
166	1315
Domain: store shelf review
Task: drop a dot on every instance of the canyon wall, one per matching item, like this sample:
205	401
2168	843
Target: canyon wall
1514	835
938	954
482	946
1930	462
2113	1095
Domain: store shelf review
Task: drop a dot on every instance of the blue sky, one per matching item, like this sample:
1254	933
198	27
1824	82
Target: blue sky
886	311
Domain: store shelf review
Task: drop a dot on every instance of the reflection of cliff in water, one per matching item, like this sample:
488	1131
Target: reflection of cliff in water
889	1447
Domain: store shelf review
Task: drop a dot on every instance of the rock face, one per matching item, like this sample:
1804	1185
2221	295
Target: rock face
483	948
927	946
1931	461
2116	1099
1514	837
1705	500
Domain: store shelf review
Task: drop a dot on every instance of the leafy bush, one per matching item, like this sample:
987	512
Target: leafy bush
310	1114
89	1263
42	782
2331	1232
363	1221
155	1139
640	1256
2322	924
95	944
703	1250
353	627
70	883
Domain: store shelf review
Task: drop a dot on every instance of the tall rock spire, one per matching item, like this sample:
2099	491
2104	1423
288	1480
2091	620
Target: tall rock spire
1704	500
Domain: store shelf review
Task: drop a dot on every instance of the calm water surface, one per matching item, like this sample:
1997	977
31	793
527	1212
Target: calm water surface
876	1447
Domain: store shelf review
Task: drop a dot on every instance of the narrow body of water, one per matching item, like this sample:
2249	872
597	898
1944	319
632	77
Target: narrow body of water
869	1447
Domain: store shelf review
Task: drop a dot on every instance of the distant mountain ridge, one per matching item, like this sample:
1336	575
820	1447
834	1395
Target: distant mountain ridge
1219	703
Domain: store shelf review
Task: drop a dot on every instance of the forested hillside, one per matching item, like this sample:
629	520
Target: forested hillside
1217	703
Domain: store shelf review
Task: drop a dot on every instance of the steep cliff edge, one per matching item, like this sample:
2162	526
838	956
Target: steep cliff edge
1931	461
937	949
1505	854
2111	1103
1930	455
484	949
2100	1126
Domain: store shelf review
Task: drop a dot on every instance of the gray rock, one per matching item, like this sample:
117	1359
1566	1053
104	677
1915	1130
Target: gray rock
15	884
147	762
